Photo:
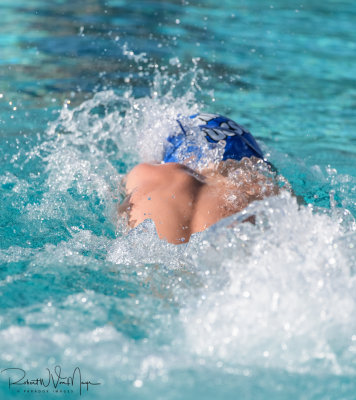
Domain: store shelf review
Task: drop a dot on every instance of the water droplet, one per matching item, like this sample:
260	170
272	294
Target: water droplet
138	383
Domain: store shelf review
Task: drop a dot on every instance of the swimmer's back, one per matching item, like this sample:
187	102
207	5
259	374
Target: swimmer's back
179	200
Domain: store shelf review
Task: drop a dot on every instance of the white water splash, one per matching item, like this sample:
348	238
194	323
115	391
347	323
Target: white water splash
238	297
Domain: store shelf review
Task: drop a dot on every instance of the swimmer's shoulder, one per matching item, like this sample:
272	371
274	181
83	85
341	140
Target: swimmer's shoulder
141	174
151	174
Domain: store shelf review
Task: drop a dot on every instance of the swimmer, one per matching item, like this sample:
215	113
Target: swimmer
212	168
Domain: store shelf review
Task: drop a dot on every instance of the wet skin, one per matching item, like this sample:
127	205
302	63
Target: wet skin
182	201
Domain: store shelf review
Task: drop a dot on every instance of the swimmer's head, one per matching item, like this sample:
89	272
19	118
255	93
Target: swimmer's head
203	138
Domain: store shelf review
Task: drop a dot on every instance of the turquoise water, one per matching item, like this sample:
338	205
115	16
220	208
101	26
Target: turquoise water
87	90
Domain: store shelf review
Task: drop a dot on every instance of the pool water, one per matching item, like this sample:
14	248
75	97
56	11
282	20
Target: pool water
264	311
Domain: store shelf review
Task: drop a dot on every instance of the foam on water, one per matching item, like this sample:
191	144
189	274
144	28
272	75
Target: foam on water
236	300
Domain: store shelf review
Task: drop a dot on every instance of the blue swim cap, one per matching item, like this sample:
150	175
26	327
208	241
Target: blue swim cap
204	132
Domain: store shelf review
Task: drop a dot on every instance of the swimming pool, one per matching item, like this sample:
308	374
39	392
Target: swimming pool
251	312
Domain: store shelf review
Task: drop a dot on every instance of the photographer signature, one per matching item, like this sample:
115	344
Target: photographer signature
55	378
